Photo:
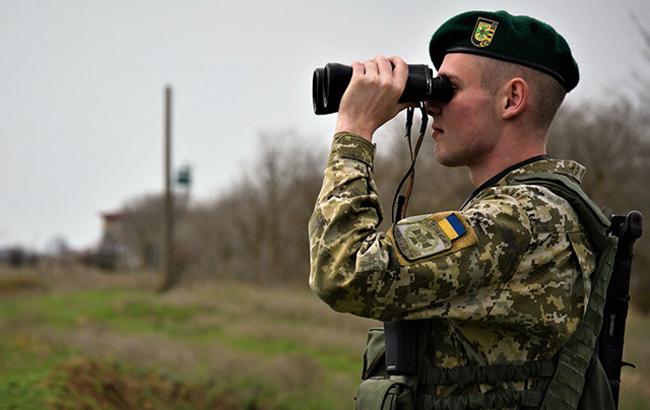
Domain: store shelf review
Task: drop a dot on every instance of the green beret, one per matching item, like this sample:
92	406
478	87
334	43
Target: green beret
517	39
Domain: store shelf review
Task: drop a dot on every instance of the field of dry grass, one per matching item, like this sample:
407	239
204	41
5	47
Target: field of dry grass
74	338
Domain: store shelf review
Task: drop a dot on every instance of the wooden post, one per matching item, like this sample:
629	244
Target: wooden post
171	276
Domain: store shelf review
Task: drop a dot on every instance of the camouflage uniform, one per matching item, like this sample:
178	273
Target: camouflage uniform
513	287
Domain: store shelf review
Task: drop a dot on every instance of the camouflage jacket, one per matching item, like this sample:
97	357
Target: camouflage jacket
504	279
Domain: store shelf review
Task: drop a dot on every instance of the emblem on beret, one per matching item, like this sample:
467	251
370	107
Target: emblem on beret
483	32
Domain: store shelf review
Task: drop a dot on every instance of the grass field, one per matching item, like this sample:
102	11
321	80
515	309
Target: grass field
72	338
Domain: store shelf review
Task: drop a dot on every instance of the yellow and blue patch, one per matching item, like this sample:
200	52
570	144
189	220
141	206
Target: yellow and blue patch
452	227
422	236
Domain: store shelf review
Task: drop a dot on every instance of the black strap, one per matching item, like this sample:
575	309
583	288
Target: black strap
402	200
489	374
493	399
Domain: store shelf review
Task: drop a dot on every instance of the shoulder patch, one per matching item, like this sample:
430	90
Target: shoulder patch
420	237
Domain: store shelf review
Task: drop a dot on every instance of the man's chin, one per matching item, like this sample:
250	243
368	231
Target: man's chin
444	158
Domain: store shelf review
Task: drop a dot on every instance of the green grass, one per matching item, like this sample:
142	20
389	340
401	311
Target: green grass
231	346
235	359
139	312
26	362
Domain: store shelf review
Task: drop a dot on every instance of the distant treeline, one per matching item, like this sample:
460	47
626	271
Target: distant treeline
257	229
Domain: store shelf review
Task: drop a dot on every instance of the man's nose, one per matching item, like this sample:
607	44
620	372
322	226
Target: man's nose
434	108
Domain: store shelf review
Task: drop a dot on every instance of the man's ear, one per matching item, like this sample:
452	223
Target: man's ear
515	97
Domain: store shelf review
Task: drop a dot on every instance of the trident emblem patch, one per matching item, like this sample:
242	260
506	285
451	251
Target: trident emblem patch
483	32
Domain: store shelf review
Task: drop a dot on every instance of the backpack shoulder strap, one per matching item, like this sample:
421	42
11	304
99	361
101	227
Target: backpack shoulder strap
566	387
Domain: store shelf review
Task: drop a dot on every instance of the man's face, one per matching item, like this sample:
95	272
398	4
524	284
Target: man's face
466	128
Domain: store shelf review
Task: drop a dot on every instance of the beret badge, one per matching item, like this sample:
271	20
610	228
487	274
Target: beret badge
484	32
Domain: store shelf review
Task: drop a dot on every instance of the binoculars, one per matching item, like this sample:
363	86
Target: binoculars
330	82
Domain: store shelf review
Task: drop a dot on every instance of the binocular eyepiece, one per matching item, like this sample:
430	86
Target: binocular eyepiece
330	82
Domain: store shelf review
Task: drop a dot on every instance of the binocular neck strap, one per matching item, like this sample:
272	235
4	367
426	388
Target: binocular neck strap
399	199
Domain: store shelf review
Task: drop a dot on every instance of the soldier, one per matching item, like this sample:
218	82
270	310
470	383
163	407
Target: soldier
503	280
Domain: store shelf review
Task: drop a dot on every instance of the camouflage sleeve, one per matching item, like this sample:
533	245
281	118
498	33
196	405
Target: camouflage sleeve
428	266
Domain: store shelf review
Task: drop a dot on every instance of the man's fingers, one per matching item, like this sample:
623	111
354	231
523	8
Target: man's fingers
371	98
357	68
371	68
385	69
401	70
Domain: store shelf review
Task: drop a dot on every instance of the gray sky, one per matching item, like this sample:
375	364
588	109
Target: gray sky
82	81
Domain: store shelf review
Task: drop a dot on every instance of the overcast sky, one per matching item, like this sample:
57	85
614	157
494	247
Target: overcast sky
81	87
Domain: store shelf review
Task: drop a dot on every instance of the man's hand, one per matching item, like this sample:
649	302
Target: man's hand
371	98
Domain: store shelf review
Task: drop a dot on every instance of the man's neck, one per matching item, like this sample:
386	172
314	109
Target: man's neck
500	159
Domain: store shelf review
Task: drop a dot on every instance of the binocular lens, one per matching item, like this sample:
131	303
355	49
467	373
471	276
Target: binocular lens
330	82
317	90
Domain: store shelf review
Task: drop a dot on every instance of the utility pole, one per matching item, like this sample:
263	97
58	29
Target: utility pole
171	275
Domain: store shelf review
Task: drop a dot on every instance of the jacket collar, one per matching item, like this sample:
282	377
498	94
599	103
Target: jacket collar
534	165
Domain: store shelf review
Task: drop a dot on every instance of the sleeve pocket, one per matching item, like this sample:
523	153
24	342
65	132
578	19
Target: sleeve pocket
586	260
